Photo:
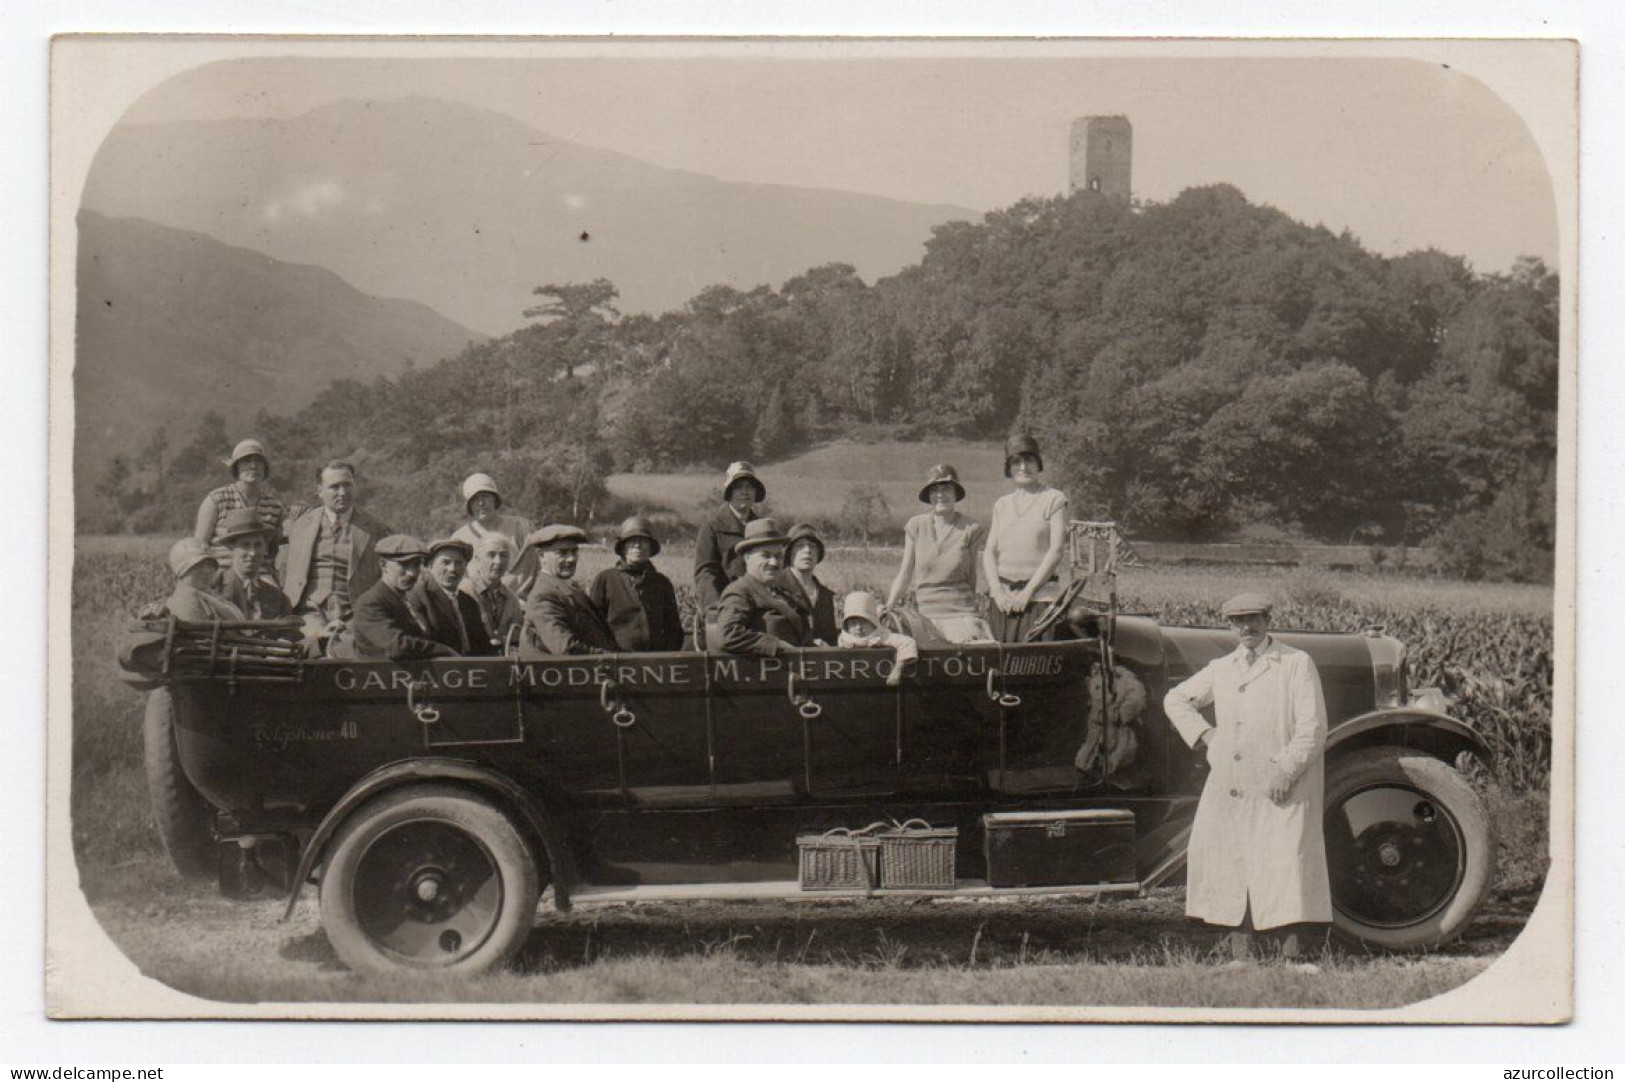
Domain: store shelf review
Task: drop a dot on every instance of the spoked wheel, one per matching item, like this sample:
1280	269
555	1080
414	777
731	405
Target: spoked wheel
428	877
1409	848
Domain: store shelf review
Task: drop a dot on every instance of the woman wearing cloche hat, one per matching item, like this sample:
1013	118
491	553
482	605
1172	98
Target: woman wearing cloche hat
1025	543
483	502
940	549
716	560
250	488
638	602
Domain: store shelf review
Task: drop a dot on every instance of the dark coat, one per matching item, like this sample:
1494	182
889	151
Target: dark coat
433	609
640	607
500	610
304	532
560	619
383	627
260	600
715	564
824	628
763	620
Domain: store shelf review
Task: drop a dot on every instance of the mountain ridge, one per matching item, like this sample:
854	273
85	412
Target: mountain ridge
166	316
467	209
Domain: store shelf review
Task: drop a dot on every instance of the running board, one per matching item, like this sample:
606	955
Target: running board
789	890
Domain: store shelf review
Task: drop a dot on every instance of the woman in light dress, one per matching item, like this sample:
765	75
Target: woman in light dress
1025	544
940	548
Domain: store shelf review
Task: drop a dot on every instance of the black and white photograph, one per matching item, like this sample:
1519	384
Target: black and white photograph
854	530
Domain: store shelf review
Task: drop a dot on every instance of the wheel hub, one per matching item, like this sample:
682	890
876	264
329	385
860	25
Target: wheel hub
1388	852
427	892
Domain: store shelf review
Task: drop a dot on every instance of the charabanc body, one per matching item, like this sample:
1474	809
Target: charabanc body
436	802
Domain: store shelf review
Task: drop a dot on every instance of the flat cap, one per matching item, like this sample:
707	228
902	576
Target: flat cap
1244	604
556	534
454	543
400	547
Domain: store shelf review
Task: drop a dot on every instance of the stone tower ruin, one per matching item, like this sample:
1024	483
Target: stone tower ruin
1102	156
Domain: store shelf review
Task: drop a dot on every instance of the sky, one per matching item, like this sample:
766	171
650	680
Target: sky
1404	154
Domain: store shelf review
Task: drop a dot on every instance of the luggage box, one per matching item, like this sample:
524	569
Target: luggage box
1059	848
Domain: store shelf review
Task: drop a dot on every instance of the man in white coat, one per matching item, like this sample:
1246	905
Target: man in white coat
1257	858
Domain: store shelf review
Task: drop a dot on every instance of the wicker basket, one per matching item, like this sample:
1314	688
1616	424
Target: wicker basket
917	856
840	859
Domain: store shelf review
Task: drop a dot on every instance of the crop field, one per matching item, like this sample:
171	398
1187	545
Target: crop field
1488	647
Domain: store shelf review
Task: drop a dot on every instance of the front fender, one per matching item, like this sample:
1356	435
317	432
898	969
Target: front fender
542	824
1440	735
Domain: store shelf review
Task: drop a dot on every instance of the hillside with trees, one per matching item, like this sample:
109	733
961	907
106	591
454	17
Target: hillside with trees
1193	368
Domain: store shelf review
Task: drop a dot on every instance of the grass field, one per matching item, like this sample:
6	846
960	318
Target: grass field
813	485
1489	645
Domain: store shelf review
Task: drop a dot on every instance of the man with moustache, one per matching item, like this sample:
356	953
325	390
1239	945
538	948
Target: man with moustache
755	616
383	626
1257	850
449	616
559	617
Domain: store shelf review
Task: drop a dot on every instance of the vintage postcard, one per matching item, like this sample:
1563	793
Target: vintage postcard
812	529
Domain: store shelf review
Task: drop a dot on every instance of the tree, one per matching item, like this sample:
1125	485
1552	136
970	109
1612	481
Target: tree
574	319
865	511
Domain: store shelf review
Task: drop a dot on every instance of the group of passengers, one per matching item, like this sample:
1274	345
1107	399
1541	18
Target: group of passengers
361	590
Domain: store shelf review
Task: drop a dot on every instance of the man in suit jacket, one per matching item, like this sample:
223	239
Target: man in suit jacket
383	625
559	617
245	533
500	610
755	616
716	561
332	557
450	617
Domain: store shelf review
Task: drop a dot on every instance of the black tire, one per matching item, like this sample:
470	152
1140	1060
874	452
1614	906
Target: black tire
1409	846
428	877
183	816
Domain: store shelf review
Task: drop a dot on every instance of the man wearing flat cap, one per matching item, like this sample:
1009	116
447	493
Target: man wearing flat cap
384	625
447	615
716	559
755	616
246	536
559	616
638	602
1257	857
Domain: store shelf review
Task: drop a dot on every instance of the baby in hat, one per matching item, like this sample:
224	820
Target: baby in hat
860	626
